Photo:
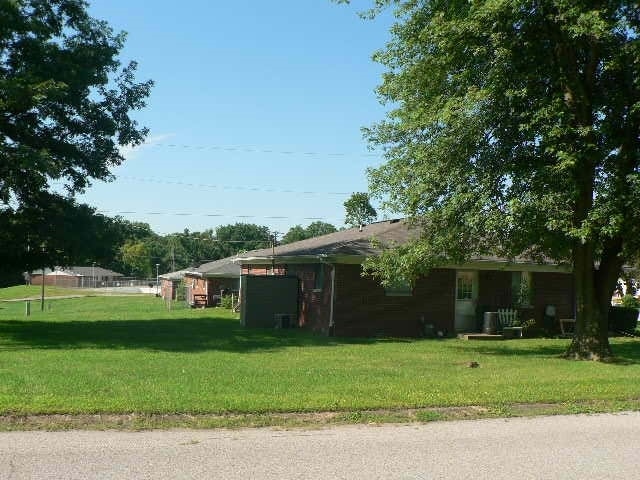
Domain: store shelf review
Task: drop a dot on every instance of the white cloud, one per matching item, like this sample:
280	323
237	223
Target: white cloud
129	152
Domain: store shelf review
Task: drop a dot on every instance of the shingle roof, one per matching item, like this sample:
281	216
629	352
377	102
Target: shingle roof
349	242
357	243
80	272
177	275
92	271
219	268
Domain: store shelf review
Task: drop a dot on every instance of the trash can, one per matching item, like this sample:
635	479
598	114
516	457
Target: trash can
429	330
490	323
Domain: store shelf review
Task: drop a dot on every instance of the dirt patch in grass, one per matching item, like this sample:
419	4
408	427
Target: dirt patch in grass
137	422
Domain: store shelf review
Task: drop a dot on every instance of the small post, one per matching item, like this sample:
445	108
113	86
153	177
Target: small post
27	308
42	292
157	280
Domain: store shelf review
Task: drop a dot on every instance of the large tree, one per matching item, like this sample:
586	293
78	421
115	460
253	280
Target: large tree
239	237
358	210
65	101
514	129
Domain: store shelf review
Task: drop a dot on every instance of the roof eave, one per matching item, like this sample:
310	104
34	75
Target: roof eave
514	266
221	275
293	259
358	259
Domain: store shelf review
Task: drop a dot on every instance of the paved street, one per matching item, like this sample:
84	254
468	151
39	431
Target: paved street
566	447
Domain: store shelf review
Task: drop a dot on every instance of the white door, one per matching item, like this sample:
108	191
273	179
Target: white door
466	300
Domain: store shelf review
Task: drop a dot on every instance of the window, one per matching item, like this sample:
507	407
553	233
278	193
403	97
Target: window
465	287
521	291
398	288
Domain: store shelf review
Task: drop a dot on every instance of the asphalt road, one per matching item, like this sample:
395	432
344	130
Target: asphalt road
563	447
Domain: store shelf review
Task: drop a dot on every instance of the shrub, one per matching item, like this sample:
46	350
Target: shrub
226	302
629	301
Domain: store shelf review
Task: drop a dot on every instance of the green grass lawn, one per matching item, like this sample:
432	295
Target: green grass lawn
123	354
27	291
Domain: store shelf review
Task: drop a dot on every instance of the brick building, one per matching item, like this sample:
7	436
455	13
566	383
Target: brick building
332	297
206	284
76	277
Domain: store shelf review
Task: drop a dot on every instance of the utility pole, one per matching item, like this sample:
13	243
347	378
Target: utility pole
42	289
173	258
274	237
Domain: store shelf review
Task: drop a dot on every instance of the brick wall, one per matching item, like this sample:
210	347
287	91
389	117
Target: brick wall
362	308
494	289
169	288
195	286
553	289
263	270
315	303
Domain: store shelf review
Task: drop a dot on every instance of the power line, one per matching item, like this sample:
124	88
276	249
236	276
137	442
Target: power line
191	214
229	187
267	189
250	149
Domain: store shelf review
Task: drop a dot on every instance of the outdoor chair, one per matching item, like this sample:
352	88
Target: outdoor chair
507	317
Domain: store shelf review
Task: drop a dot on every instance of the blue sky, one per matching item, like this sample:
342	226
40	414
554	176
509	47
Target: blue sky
238	84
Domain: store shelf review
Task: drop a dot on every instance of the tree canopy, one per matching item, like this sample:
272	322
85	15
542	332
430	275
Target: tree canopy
358	210
64	99
315	229
65	103
139	249
53	231
514	130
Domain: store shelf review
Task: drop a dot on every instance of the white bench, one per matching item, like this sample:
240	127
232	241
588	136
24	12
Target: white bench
507	317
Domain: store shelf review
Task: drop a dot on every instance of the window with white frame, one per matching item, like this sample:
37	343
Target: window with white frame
464	290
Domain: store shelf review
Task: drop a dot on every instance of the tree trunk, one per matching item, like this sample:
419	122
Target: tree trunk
592	297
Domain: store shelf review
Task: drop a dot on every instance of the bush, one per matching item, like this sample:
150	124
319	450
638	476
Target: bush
629	301
623	319
226	302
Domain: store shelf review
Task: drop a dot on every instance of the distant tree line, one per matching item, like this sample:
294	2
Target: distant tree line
52	230
65	233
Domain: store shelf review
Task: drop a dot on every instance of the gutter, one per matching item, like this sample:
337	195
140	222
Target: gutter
318	258
269	259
